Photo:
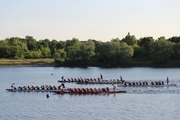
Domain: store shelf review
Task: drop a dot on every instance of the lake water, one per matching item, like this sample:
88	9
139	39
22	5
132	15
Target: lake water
139	103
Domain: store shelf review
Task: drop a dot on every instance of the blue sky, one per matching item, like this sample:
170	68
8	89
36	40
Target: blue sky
89	19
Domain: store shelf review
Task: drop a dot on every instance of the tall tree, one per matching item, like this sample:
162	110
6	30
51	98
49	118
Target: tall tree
161	50
53	46
143	50
31	43
60	56
174	39
73	49
87	50
115	53
129	39
176	49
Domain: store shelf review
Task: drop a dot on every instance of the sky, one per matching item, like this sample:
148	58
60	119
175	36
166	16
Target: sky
89	19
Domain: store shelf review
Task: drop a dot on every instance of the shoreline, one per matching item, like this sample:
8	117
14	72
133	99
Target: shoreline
50	63
102	66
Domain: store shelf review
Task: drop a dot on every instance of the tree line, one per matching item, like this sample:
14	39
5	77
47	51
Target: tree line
116	52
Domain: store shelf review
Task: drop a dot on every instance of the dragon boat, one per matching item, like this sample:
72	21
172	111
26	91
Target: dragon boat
67	90
92	81
100	82
89	91
30	90
146	85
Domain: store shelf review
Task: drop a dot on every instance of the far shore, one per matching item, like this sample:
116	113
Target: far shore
33	65
50	63
26	62
102	66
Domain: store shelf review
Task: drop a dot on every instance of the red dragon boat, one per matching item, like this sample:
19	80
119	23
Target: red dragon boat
89	91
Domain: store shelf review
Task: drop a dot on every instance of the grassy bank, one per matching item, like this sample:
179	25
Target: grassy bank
38	62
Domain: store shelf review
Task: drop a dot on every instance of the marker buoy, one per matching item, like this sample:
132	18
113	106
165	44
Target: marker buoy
47	95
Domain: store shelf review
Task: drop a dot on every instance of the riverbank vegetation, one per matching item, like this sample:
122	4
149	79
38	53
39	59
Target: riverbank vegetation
127	51
36	62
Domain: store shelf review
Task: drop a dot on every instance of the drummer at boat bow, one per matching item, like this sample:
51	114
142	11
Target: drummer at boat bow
12	86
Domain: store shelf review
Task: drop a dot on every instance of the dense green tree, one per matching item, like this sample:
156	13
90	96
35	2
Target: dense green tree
36	54
176	49
139	52
130	39
115	40
61	45
31	43
87	50
53	47
16	47
161	50
60	55
174	39
146	42
115	53
125	53
28	55
98	45
3	49
46	52
4	52
143	50
16	52
73	50
46	43
105	53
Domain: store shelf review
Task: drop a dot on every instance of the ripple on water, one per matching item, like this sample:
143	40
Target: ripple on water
139	103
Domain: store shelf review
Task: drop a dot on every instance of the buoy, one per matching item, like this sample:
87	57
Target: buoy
47	95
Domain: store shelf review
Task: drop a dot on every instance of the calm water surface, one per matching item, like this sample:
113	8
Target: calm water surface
139	103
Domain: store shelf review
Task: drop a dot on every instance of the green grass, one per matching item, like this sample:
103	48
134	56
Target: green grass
26	61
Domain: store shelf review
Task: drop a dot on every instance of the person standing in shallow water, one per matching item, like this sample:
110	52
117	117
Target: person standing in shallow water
167	80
